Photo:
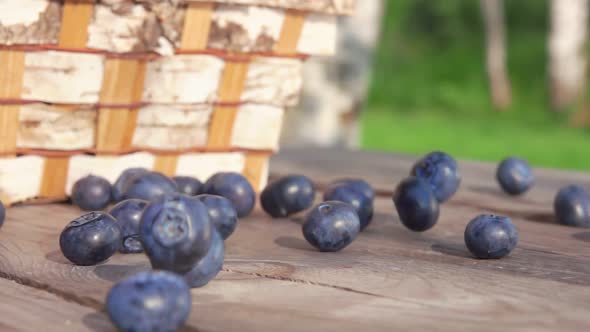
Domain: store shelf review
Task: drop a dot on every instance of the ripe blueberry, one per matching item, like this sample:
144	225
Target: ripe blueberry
149	186
515	176
348	194
221	213
123	181
416	204
149	301
440	170
234	187
90	239
287	196
490	236
209	266
572	206
175	232
188	185
128	215
358	185
2	213
331	226
91	193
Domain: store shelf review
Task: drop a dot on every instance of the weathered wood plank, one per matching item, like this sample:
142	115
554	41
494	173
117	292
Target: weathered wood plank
27	308
388	278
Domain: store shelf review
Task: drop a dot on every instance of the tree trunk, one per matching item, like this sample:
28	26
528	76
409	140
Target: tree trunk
335	88
567	61
493	13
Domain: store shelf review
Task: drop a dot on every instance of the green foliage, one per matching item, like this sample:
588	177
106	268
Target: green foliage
430	87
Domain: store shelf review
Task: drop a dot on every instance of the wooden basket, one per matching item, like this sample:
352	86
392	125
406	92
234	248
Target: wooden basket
178	86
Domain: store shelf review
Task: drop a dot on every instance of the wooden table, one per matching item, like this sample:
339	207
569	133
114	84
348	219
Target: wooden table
388	279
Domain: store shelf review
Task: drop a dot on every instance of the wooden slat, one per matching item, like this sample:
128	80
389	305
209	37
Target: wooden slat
256	169
166	164
12	64
230	90
197	23
76	17
55	174
273	280
29	309
122	83
290	32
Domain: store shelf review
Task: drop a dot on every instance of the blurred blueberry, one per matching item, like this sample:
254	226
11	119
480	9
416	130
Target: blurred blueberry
188	185
91	193
2	213
236	188
209	266
442	173
490	236
175	232
149	186
358	185
221	213
416	204
515	176
331	226
350	195
90	239
128	215
572	206
123	181
149	302
287	195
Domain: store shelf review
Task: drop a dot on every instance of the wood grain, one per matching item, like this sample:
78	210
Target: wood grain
12	64
197	23
122	83
291	31
27	308
55	174
166	164
76	17
388	279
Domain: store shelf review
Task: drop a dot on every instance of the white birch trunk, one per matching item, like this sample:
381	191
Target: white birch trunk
500	87
567	59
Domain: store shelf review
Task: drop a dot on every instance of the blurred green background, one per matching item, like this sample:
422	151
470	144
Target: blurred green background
430	88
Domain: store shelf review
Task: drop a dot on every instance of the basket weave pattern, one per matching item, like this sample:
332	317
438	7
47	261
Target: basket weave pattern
181	87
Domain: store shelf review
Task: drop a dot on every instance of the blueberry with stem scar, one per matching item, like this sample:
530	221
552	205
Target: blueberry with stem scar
175	232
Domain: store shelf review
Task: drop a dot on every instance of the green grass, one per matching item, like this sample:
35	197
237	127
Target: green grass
430	91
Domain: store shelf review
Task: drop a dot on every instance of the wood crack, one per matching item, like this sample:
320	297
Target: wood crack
306	282
69	297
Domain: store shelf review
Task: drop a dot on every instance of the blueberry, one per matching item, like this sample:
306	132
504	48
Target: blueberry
416	204
188	185
2	213
515	176
572	206
287	196
442	173
91	193
149	302
90	239
175	232
128	215
234	187
149	186
221	213
347	194
331	226
209	266
123	181
489	236
358	185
